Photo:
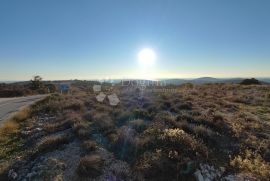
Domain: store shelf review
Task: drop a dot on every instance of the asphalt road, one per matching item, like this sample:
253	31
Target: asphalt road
8	106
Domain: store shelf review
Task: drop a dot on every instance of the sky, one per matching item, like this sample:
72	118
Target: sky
97	39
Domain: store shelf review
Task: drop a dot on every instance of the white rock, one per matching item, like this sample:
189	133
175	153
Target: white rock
198	176
25	132
113	99
39	129
222	169
101	97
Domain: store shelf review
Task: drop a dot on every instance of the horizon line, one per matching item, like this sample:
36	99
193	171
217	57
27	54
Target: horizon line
107	79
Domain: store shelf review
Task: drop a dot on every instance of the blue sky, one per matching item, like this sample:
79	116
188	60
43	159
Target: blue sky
88	39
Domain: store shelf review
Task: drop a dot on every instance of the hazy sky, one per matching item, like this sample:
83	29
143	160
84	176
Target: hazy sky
88	39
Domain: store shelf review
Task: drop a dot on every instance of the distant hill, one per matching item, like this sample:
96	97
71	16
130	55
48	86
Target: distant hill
211	80
175	81
205	80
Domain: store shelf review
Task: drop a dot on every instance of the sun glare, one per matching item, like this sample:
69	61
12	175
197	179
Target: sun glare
146	57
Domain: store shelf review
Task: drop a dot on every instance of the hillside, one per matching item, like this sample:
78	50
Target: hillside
219	132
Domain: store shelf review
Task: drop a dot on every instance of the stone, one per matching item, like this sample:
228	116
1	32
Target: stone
198	176
222	169
39	129
100	97
113	99
25	132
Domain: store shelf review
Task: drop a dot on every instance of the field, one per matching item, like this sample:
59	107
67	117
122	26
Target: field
187	132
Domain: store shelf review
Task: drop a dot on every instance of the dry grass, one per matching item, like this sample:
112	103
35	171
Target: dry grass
203	131
159	134
90	166
9	128
138	124
89	145
13	124
51	142
11	144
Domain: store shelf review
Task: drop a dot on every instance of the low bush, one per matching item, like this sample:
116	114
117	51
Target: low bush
89	145
140	114
51	142
252	163
156	166
138	124
75	106
202	131
103	123
177	138
125	145
90	166
58	125
81	128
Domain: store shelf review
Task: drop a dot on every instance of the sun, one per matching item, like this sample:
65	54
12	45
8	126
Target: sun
147	57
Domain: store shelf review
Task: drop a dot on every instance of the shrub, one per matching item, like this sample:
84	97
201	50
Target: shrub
202	131
165	118
104	123
122	117
140	114
125	146
119	171
75	106
156	166
58	125
138	124
83	133
81	128
89	145
21	115
12	125
50	105
8	128
252	163
88	116
90	166
51	142
184	106
251	81
175	138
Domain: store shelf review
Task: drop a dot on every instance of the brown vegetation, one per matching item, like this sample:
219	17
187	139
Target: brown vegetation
162	135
